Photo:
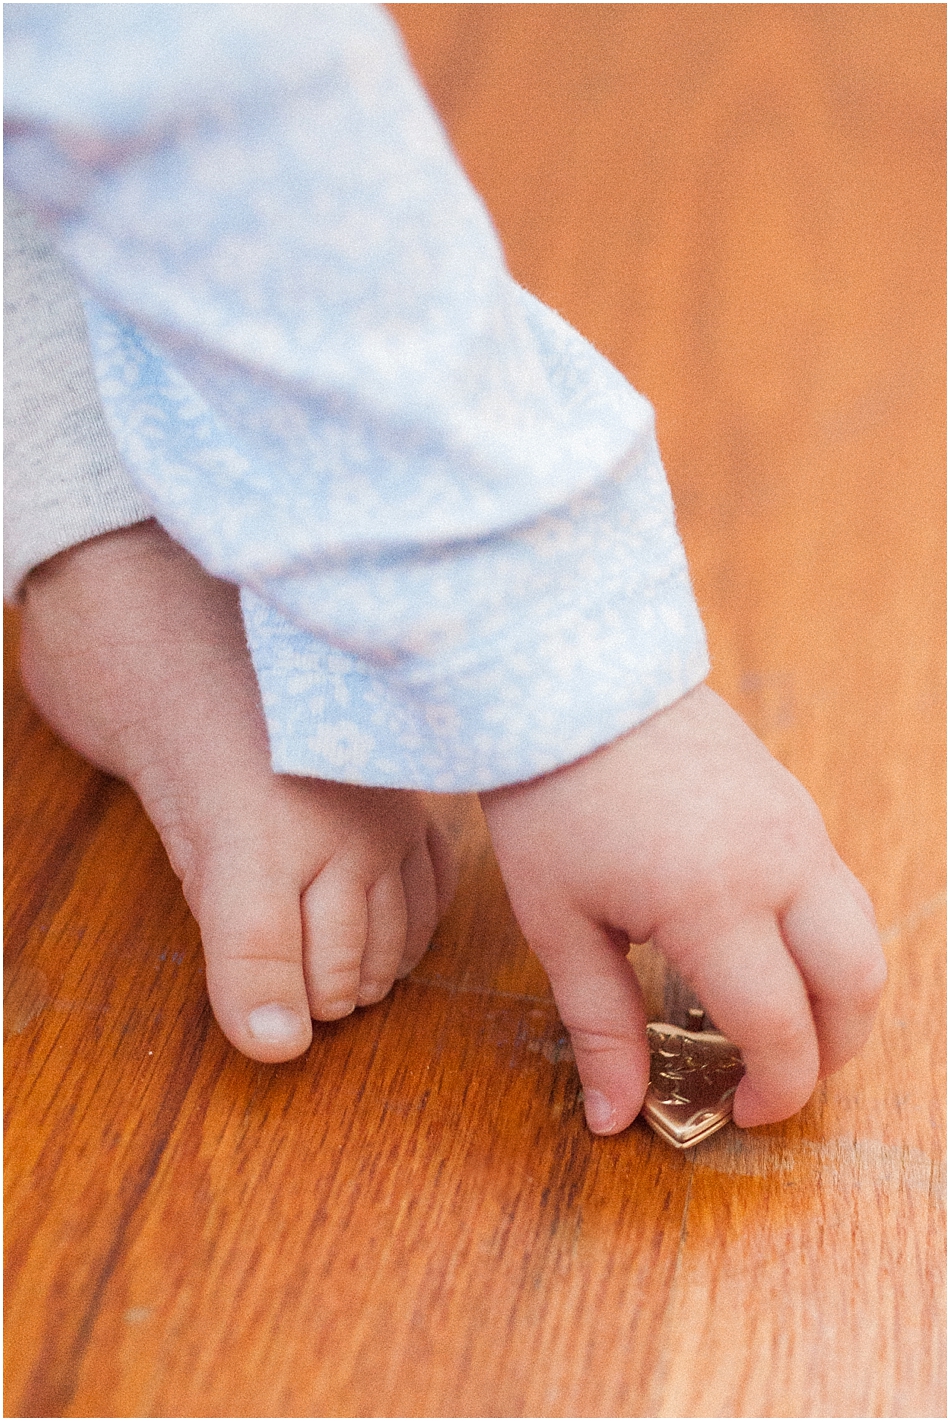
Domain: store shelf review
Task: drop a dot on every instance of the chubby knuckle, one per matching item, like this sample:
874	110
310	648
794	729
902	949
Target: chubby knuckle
787	1030
764	864
602	1041
860	979
259	956
794	838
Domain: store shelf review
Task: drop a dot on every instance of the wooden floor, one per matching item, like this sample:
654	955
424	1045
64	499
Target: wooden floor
742	207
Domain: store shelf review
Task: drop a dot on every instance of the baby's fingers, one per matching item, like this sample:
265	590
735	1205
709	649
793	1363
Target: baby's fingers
754	993
829	929
601	1005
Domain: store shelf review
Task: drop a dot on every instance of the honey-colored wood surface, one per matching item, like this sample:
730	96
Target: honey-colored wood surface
742	207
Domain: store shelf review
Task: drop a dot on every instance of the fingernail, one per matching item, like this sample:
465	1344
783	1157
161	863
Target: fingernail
275	1025
599	1111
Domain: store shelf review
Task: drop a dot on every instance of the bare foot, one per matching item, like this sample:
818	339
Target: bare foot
312	897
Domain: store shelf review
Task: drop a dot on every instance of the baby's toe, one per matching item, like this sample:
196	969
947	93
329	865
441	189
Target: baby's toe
420	882
385	938
354	938
335	915
250	929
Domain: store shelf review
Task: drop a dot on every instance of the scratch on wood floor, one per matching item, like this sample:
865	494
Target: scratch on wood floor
842	1162
457	989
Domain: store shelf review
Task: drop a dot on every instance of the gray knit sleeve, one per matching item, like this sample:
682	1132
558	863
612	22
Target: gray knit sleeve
64	481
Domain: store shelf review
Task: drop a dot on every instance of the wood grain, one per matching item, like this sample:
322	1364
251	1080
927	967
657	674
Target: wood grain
741	206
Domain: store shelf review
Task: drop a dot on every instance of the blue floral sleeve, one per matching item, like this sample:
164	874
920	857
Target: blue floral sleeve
446	511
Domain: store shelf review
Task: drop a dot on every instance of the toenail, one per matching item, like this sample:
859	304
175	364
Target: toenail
275	1024
371	992
334	1010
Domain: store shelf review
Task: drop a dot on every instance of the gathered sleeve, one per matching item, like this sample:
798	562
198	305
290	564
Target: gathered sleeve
446	512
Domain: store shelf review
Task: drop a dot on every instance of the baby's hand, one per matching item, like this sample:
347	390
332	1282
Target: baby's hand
686	830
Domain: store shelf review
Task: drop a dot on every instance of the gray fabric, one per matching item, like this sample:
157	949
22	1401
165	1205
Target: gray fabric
64	481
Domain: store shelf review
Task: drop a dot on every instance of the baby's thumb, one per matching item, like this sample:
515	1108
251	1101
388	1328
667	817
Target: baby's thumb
601	1005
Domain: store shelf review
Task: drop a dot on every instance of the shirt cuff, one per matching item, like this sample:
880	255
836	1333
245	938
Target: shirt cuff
578	627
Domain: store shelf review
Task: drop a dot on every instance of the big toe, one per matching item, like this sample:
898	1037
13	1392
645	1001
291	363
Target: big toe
251	933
